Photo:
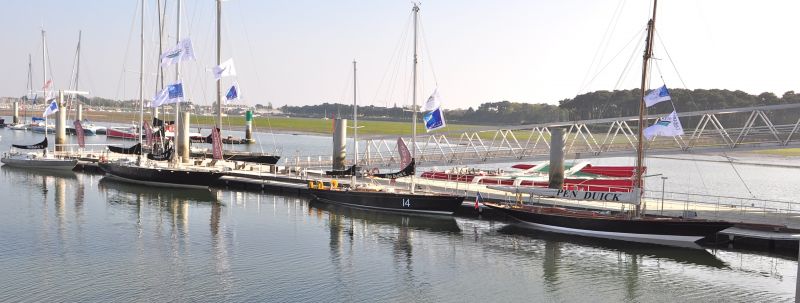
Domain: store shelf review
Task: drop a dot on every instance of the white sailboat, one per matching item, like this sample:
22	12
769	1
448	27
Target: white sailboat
35	160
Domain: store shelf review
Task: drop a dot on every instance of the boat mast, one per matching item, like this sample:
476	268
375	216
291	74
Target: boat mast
30	85
355	126
219	58
648	53
73	96
44	80
141	86
177	124
414	98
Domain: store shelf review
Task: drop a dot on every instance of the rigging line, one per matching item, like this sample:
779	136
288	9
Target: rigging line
427	50
629	64
258	77
403	35
605	40
636	37
125	57
730	160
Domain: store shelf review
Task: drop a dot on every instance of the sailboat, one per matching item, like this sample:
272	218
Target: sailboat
635	227
155	171
231	155
388	198
45	160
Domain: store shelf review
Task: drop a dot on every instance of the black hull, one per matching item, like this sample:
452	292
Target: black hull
648	230
410	203
242	157
161	176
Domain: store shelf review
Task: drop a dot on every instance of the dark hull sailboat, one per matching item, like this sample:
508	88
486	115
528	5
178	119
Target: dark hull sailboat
647	229
388	201
162	177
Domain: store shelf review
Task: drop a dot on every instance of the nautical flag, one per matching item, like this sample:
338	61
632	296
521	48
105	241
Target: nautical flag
478	198
183	51
225	69
79	133
434	101
216	144
405	155
666	126
47	84
434	120
233	94
52	108
657	95
173	93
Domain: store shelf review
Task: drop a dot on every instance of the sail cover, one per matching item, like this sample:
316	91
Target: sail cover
79	133
405	155
338	173
158	122
166	155
133	150
40	145
409	170
216	144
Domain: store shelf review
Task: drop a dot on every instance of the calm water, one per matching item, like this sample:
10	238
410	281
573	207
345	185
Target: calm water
79	237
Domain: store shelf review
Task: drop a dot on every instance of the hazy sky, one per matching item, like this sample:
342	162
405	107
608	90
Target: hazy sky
300	52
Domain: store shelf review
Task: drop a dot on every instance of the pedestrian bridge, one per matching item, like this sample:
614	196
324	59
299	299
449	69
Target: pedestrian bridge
754	130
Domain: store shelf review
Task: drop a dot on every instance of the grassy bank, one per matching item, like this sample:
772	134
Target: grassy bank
787	152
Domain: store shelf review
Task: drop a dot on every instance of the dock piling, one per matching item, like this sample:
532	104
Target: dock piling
339	143
61	123
556	172
15	119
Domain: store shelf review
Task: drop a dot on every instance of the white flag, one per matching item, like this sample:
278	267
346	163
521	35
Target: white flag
666	126
183	51
173	93
657	95
225	69
52	108
434	101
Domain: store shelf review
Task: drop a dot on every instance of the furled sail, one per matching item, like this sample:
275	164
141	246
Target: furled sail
133	150
409	170
40	145
166	155
339	173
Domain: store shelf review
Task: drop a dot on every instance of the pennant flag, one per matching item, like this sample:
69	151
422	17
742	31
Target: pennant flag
52	108
79	133
173	93
405	155
434	120
657	95
183	51
233	94
666	126
47	84
225	69
478	198
434	101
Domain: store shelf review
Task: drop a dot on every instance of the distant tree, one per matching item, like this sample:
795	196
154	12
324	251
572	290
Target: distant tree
269	105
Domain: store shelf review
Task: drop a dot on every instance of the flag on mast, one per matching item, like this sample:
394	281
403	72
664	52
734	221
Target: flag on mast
665	126
225	69
232	94
173	93
434	101
51	109
657	95
434	120
183	51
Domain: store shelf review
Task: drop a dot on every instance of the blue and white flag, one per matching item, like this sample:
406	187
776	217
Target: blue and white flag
434	101
434	120
52	108
225	69
173	93
183	51
657	95
666	126
233	94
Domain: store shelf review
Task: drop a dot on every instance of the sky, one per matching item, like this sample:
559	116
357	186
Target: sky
301	52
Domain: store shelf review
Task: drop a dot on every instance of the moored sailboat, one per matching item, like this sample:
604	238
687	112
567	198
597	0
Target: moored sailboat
389	198
635	226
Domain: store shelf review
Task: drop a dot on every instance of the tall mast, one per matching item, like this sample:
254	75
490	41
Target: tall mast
44	80
177	124
219	58
648	53
77	63
141	83
30	86
355	123
414	98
